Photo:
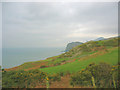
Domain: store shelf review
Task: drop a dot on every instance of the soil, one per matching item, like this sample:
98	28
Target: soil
63	83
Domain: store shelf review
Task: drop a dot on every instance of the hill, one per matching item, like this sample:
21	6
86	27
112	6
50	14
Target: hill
100	38
71	45
71	67
76	53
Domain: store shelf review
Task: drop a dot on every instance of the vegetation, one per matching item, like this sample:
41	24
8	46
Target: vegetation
27	79
0	78
71	45
100	75
111	58
91	64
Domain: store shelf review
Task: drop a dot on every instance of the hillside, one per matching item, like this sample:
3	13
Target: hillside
100	38
71	45
81	63
61	69
77	52
0	78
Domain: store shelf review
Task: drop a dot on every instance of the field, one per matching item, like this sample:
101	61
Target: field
111	57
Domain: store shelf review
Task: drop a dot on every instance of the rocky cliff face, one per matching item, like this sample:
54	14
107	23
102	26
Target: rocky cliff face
100	38
71	45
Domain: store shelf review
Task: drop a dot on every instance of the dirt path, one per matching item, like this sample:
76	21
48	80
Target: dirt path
64	83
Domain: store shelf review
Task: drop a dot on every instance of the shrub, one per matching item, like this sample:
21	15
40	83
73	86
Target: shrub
82	78
100	75
57	63
54	77
22	79
43	66
85	48
61	73
111	42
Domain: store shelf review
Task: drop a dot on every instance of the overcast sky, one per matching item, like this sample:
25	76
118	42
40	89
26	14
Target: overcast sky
56	24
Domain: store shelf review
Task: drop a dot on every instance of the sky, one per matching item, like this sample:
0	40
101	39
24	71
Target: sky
55	24
0	34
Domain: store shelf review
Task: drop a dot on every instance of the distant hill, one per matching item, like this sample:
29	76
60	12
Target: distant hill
100	38
74	44
71	45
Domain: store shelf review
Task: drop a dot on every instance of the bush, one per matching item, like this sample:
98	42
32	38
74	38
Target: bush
43	66
54	77
61	73
57	63
27	79
82	78
85	48
100	75
22	79
111	42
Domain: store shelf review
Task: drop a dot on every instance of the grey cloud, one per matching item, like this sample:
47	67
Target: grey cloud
48	23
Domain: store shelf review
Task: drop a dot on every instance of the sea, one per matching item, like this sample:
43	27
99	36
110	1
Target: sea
12	57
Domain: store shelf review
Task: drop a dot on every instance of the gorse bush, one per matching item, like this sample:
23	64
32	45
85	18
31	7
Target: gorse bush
0	78
27	79
43	66
23	79
101	76
82	78
54	77
111	42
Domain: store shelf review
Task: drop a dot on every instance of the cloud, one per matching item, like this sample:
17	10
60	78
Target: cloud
55	24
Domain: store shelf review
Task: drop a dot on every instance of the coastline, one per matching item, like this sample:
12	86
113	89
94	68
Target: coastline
18	56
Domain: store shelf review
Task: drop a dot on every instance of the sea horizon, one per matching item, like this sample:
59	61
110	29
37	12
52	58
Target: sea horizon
12	57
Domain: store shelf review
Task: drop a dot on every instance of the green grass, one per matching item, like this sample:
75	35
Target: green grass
111	57
58	60
26	66
76	53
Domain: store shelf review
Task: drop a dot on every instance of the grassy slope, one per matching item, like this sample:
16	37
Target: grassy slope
76	59
111	57
68	61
